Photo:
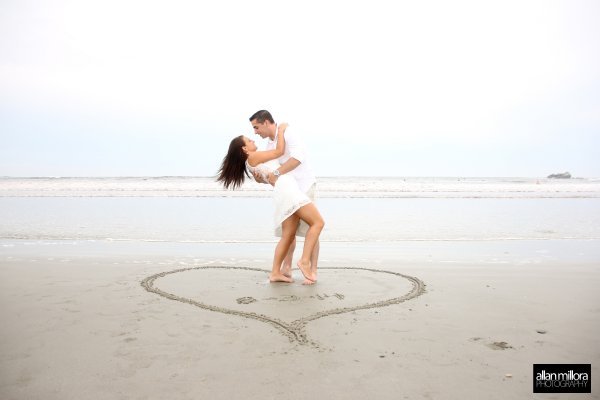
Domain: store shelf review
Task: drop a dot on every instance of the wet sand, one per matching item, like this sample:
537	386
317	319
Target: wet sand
414	321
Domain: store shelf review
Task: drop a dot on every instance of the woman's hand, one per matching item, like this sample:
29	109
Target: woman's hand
281	128
272	179
258	177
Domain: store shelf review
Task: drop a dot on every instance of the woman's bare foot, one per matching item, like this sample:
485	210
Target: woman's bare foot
308	282
286	270
280	278
306	270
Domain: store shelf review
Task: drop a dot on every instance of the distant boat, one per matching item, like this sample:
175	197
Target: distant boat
564	175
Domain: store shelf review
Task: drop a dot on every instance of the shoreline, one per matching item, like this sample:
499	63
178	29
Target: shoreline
328	187
401	252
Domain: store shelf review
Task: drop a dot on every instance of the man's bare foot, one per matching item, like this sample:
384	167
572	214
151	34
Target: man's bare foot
280	278
306	271
286	270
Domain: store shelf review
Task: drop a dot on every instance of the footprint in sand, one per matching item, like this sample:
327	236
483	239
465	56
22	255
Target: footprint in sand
245	300
499	346
493	345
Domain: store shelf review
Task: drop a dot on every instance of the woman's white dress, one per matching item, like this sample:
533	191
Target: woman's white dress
287	196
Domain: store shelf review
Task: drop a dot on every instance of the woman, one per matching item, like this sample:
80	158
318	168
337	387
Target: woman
291	204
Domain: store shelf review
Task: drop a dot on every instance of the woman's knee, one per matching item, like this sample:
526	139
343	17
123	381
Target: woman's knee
322	223
319	223
310	214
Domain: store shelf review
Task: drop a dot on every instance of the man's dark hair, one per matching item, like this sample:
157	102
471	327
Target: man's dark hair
262	116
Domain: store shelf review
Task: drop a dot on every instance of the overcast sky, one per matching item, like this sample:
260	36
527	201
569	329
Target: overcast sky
400	88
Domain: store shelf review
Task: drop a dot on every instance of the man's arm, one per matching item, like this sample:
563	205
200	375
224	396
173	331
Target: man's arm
297	156
286	167
289	165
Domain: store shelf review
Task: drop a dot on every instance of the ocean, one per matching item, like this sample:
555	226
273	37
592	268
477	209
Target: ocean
356	209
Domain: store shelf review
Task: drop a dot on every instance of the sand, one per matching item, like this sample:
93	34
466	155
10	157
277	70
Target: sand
417	321
195	286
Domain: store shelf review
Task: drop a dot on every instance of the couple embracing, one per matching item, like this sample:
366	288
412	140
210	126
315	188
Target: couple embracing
284	165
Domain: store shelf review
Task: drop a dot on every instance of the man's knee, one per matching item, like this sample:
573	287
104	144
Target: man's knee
289	233
288	236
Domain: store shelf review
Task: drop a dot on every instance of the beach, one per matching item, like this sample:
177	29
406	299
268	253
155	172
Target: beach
452	144
145	297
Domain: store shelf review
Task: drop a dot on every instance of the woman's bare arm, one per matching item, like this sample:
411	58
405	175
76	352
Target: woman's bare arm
262	156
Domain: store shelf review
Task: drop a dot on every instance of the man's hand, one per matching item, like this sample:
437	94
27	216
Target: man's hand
272	179
258	177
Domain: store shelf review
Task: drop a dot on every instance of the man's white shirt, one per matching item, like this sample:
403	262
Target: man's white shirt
295	148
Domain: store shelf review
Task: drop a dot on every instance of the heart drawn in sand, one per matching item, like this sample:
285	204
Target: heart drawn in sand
335	293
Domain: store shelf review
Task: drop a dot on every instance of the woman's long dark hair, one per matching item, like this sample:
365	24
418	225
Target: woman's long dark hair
233	168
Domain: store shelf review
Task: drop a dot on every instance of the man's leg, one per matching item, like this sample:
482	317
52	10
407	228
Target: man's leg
288	232
286	267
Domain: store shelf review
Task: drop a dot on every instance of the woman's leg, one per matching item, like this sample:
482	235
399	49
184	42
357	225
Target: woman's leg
310	214
288	233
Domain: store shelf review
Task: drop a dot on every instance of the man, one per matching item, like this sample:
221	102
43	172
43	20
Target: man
294	162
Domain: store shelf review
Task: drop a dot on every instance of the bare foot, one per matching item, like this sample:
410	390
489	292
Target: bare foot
306	271
286	270
280	278
308	282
